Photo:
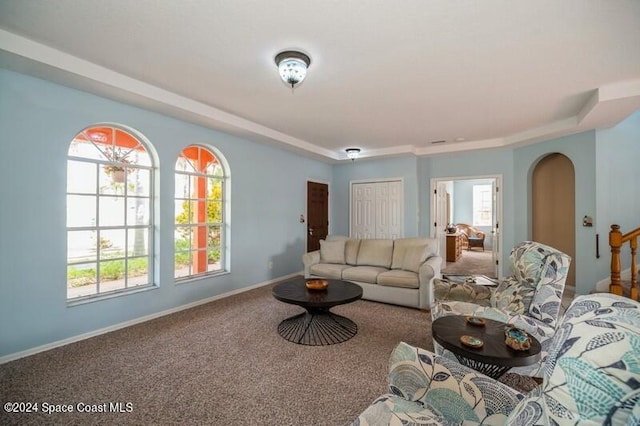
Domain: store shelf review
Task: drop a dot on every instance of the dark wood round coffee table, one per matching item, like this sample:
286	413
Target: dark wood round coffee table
494	358
317	326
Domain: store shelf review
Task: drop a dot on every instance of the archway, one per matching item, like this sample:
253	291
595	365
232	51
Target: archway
553	206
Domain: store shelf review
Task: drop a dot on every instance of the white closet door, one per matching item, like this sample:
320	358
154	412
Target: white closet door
396	209
363	214
377	210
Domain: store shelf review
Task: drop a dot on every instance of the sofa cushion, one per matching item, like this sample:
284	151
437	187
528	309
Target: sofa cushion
399	278
414	257
401	245
328	270
351	249
375	253
365	274
332	251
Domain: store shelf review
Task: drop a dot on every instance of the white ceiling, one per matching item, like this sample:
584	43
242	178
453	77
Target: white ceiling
389	77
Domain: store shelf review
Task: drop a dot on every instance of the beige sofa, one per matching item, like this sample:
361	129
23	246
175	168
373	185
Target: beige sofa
399	271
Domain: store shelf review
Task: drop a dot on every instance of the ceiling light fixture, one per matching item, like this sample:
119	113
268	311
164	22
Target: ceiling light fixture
292	66
353	153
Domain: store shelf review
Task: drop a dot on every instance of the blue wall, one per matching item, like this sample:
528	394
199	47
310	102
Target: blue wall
580	149
400	167
268	193
38	120
617	186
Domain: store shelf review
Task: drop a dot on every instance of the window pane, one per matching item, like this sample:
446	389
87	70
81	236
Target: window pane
137	241
482	205
214	267
182	264
182	186
139	181
81	280
110	271
214	211
215	188
81	246
111	211
138	273
112	243
182	211
81	177
81	275
214	249
108	185
85	149
138	211
81	211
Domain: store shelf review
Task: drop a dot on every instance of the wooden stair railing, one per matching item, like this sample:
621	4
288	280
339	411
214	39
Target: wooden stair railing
616	240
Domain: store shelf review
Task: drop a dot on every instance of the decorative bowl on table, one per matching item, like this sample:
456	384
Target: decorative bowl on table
477	321
517	339
472	342
317	284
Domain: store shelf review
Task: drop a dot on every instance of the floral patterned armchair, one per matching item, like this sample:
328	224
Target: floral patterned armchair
529	299
592	377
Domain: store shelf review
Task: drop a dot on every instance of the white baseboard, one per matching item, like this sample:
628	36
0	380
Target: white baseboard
79	337
603	285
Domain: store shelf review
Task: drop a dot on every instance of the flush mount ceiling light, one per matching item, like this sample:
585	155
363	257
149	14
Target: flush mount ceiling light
353	153
292	66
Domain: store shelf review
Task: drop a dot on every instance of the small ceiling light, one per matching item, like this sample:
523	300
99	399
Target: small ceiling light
353	153
292	66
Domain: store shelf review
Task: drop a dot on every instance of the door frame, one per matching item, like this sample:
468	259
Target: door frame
497	248
361	181
306	213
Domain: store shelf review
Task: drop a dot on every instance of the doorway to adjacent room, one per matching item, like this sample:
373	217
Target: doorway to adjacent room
475	201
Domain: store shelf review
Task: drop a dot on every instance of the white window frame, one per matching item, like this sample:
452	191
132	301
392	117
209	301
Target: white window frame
130	285
223	224
482	205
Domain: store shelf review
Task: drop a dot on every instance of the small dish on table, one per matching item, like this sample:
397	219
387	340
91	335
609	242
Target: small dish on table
477	321
472	342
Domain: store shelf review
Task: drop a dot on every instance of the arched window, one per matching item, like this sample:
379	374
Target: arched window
200	213
109	213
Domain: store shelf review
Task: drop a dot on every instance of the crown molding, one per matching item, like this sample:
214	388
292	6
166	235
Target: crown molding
607	106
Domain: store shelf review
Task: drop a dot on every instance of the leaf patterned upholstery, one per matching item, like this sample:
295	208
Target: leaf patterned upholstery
529	299
592	377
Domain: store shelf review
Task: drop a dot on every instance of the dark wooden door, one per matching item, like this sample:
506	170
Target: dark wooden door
317	214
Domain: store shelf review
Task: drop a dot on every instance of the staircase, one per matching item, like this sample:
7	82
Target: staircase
617	241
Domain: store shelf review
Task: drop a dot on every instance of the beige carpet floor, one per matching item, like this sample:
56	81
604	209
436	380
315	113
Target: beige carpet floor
222	363
471	262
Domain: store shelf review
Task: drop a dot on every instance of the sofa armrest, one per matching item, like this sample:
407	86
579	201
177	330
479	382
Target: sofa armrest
309	259
429	270
416	374
444	290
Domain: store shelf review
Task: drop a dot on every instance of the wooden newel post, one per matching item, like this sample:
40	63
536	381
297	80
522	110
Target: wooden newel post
615	241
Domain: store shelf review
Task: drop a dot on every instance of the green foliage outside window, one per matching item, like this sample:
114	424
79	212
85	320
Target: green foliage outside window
214	216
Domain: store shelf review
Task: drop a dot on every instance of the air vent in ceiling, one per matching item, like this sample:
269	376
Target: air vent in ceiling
442	141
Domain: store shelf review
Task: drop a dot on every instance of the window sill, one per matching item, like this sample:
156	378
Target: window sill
194	279
105	296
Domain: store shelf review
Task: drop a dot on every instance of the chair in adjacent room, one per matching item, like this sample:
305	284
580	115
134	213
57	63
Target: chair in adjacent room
529	299
472	236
